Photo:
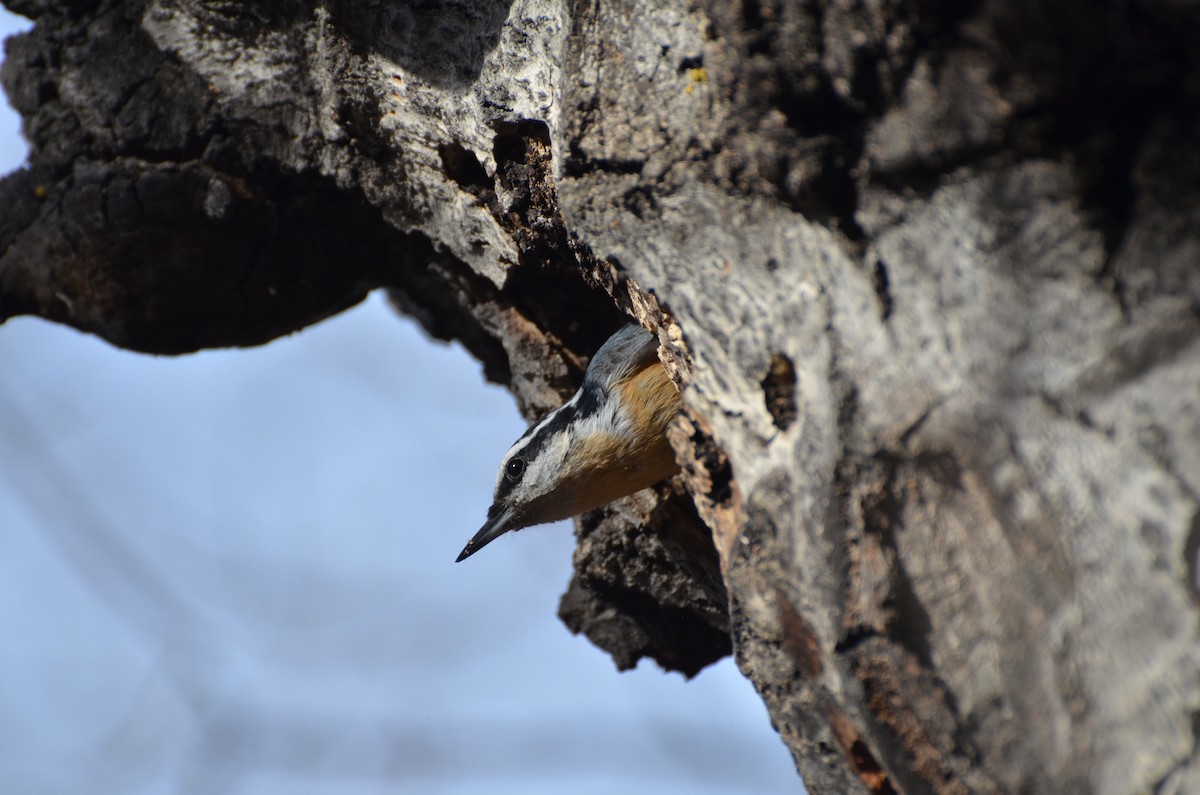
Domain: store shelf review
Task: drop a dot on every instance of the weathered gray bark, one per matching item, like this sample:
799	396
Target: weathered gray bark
927	270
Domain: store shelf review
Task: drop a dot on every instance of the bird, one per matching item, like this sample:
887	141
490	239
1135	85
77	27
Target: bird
608	441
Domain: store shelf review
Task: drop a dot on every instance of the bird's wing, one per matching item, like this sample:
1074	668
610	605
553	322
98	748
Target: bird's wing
630	349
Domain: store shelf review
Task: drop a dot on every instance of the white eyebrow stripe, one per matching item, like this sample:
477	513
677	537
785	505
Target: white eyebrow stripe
629	348
528	436
542	423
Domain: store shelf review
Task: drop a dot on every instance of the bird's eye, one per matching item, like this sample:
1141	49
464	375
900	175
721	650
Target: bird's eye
514	468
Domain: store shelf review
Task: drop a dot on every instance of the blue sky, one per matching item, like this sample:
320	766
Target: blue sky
234	572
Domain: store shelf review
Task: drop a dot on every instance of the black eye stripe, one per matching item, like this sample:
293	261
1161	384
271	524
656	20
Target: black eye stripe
514	468
533	449
585	403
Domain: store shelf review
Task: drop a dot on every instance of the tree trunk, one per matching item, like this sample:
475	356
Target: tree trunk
927	272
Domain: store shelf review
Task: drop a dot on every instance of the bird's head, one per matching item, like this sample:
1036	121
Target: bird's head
607	441
545	475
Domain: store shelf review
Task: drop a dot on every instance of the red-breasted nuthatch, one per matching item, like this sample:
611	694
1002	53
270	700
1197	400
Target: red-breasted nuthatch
607	441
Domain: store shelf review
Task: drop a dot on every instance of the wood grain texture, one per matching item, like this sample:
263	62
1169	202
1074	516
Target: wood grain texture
926	273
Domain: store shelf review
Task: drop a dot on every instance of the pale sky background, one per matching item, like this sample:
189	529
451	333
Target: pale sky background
233	572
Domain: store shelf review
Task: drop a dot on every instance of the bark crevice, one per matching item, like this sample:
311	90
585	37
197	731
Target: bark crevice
925	272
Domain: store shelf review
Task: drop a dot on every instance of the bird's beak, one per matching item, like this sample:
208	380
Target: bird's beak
496	526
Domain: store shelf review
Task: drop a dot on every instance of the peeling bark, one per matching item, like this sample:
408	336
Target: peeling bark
927	273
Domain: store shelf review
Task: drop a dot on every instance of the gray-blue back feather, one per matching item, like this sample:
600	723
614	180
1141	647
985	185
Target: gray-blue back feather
629	349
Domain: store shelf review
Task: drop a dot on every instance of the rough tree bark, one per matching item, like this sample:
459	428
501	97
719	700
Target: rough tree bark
927	270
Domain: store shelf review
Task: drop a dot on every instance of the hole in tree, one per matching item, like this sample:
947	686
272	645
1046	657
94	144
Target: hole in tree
464	168
779	391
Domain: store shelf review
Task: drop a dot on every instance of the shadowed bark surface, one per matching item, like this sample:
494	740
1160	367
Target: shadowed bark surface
926	271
